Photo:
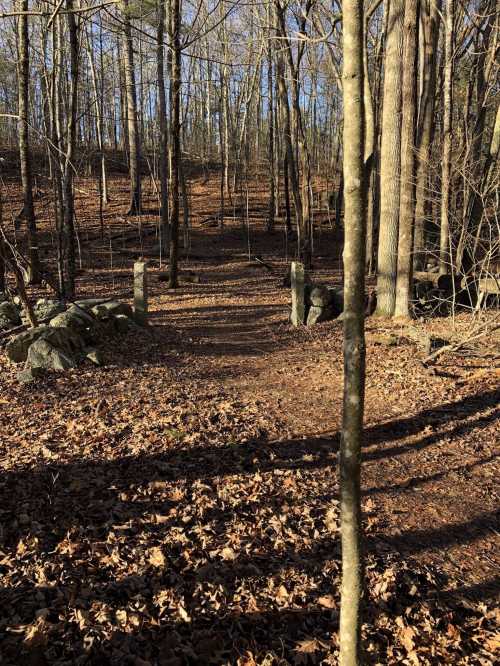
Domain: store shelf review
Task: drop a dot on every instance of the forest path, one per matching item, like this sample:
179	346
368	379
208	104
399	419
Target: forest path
431	438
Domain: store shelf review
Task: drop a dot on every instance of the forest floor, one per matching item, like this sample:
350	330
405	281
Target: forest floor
180	504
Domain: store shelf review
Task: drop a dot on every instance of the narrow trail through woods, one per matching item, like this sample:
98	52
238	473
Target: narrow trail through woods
428	439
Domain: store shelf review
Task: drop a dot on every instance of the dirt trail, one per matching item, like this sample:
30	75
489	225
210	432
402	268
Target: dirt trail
212	443
430	460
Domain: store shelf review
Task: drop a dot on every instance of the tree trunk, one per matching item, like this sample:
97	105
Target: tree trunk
175	131
98	94
430	10
270	116
2	248
286	129
354	343
28	211
68	217
407	190
132	118
390	160
286	193
445	259
369	155
162	122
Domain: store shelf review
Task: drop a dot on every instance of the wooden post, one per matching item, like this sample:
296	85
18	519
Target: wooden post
297	282
141	292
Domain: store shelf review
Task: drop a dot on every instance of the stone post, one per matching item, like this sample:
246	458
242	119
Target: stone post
298	304
141	292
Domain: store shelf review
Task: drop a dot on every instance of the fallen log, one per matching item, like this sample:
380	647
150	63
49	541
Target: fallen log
445	282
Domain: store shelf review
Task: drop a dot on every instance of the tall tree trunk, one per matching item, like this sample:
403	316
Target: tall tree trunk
299	134
407	189
132	117
175	133
57	152
98	94
430	10
354	343
162	122
369	155
445	258
286	129
68	220
286	193
28	211
222	140
270	116
390	160
3	265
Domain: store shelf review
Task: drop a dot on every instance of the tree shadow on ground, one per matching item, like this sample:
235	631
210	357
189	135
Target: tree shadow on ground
77	536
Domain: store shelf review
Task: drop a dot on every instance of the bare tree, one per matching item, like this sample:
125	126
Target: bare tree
354	343
163	126
444	243
390	160
132	115
407	186
429	36
175	132
23	78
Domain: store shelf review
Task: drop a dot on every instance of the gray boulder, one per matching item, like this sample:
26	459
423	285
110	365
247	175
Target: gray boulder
68	320
29	375
43	354
9	315
89	303
112	308
47	308
336	300
84	314
124	324
79	321
318	314
95	356
62	338
320	296
17	348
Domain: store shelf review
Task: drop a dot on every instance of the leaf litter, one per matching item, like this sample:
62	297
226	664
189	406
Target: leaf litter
151	516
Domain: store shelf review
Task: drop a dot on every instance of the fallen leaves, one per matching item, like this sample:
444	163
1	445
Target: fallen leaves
156	558
161	521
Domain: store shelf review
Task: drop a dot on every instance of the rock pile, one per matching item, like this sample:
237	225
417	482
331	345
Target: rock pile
67	335
322	303
312	303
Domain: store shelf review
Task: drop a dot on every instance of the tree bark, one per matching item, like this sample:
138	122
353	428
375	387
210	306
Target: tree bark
175	132
430	10
407	189
445	259
369	155
132	118
286	128
68	217
270	116
163	125
28	210
354	344
390	160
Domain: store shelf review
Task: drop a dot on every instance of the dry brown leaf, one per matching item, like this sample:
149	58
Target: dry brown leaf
492	643
228	554
156	557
